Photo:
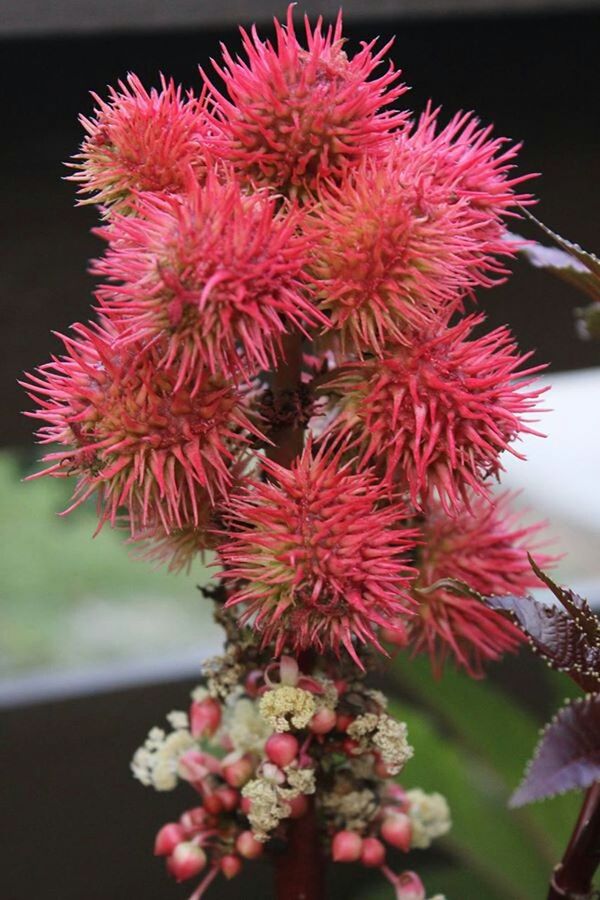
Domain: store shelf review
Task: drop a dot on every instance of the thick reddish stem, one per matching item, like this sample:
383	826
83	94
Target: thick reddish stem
300	868
287	439
572	878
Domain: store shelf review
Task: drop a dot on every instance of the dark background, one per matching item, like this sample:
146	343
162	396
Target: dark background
76	825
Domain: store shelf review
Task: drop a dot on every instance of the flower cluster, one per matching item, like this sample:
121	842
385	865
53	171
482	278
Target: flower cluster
263	747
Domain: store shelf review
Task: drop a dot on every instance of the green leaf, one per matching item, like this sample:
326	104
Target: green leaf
486	838
490	731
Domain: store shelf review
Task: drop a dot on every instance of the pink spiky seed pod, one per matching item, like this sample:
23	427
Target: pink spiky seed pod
151	448
475	166
391	254
140	140
435	417
487	550
295	116
216	274
178	546
317	553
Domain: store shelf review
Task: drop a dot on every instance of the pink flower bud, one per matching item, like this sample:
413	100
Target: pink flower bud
341	686
272	773
397	831
237	770
226	743
346	846
230	865
409	887
245	804
195	765
323	721
205	717
193	819
350	747
213	804
229	798
396	793
186	861
343	721
247	845
298	806
282	749
167	838
253	681
373	852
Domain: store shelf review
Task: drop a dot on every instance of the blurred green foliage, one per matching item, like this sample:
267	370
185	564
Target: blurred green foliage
50	566
472	740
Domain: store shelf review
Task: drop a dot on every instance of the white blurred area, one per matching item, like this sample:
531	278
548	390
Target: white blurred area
560	479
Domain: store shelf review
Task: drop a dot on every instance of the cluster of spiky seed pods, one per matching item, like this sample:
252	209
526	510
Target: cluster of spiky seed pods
289	256
303	209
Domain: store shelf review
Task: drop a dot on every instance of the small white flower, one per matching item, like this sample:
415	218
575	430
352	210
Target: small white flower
429	817
178	719
285	706
156	763
245	727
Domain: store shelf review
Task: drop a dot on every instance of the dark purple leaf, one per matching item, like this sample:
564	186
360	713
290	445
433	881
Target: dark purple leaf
589	260
577	607
571	263
556	637
568	754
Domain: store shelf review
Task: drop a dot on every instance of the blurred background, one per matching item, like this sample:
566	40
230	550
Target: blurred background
95	646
